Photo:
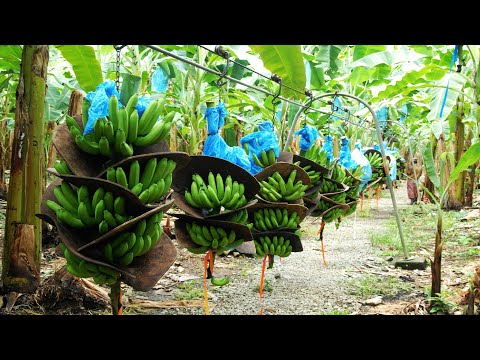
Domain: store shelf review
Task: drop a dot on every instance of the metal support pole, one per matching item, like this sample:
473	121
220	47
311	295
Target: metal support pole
382	151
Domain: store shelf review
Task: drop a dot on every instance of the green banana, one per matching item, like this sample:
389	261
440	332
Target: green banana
62	167
199	250
113	114
84	215
148	171
146	118
69	219
109	132
144	196
160	170
85	107
121	177
104	147
119	139
134	174
133	127
137	189
131	104
107	251
220	281
86	146
64	201
126	150
98	129
220	187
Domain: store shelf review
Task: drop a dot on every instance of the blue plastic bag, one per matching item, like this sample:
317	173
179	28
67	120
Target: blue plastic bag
358	145
308	135
392	169
328	147
99	103
337	106
215	145
362	161
264	139
142	104
345	157
159	80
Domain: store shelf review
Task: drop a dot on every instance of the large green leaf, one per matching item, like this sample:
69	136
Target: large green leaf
287	62
399	86
360	51
470	157
317	79
387	58
430	165
85	65
11	56
455	85
437	128
327	56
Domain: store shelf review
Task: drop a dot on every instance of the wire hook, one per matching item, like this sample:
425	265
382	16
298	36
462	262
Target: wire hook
226	55
308	105
275	102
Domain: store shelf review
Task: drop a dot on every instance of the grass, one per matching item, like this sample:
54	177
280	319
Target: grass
441	303
419	224
373	285
189	290
336	312
267	286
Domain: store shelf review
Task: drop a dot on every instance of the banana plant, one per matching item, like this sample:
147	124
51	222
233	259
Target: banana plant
470	157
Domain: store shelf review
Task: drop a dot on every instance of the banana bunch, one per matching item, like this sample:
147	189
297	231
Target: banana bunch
77	209
324	205
130	244
332	215
277	245
353	192
338	173
351	210
240	217
228	193
328	187
377	173
123	128
211	237
375	159
62	167
268	158
312	196
339	198
315	176
84	269
358	172
150	183
268	219
278	189
319	155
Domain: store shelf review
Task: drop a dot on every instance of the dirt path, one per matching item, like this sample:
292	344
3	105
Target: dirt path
301	284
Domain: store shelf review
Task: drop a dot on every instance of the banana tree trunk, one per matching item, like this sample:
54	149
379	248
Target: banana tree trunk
428	183
22	242
3	156
451	202
436	265
471	174
459	143
4	146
